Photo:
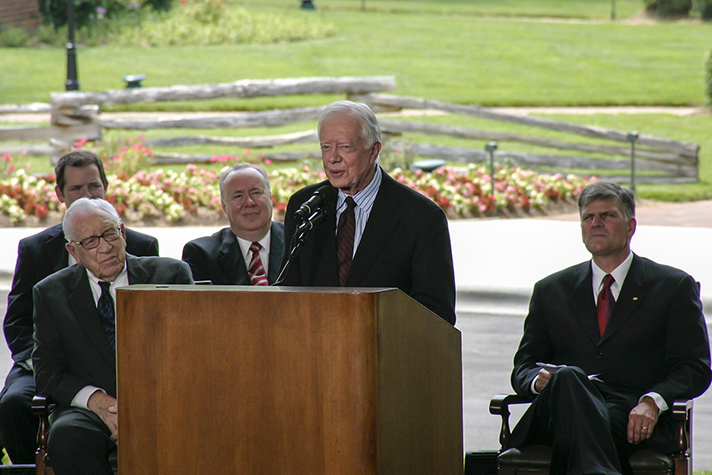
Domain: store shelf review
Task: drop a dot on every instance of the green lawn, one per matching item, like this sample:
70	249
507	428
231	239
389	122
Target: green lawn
491	52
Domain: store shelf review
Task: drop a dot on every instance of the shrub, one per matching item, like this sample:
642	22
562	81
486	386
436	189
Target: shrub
704	9
13	37
668	8
88	12
708	77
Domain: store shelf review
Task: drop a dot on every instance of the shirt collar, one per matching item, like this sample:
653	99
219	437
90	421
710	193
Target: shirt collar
245	244
619	274
364	199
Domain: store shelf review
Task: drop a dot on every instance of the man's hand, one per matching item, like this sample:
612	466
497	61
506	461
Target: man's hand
642	420
107	408
542	380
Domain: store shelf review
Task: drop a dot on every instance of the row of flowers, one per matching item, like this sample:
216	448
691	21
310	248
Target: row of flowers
170	195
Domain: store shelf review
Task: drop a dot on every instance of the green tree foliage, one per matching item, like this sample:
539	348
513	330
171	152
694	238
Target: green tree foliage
704	9
87	12
669	8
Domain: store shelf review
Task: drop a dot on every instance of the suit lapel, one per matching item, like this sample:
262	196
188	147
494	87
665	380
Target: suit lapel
582	303
631	296
231	260
381	224
84	310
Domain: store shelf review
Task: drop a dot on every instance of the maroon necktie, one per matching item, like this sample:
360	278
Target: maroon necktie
345	240
257	271
604	307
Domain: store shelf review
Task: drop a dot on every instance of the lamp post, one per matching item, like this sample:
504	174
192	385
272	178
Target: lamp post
308	5
632	137
613	10
72	81
490	148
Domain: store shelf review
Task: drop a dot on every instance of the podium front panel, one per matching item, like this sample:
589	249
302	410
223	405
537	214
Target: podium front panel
273	381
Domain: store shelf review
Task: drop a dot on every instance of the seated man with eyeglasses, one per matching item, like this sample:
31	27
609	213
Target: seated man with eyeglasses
74	356
80	174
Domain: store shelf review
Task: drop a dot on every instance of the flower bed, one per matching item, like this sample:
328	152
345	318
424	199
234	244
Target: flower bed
193	196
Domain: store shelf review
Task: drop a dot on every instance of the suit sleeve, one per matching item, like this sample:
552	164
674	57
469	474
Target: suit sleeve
52	374
687	344
433	278
194	256
535	346
18	318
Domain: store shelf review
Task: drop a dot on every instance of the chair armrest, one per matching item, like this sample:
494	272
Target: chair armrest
682	415
499	405
41	407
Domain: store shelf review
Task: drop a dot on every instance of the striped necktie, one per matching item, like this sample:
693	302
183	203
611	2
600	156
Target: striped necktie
256	270
345	240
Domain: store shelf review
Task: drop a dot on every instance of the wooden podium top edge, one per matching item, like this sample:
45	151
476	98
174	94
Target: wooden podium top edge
248	288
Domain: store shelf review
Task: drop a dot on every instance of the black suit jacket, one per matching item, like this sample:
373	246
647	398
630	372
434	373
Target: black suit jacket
38	256
656	339
71	347
406	244
218	257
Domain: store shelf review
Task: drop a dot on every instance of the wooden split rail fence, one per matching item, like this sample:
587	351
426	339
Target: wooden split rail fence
76	115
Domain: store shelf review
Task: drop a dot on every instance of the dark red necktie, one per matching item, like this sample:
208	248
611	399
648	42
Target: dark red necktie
605	303
345	240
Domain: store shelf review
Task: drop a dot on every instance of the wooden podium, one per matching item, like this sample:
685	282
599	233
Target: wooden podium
286	380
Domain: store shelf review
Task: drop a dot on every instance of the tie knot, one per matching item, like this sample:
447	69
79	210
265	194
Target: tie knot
105	286
608	281
255	247
350	203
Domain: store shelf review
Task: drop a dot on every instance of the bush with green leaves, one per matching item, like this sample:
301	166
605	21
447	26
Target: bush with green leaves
209	22
89	12
668	8
13	37
708	77
703	8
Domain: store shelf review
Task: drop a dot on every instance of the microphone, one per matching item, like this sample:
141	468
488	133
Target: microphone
312	204
308	224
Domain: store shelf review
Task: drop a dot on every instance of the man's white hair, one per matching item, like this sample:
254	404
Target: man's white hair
83	208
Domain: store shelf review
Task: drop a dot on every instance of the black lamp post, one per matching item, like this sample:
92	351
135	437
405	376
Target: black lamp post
308	5
72	81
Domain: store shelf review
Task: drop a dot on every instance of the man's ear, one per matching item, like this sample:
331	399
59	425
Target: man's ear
123	231
60	195
72	251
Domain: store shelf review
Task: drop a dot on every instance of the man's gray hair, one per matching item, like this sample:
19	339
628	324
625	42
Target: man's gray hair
370	130
604	190
241	166
83	208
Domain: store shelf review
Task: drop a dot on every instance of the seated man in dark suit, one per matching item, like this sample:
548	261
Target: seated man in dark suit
632	336
79	174
253	244
387	234
74	356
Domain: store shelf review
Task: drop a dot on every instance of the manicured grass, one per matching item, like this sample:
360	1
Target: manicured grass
459	58
590	9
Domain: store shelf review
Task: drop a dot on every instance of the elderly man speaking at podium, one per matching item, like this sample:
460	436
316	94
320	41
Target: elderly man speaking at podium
74	356
376	232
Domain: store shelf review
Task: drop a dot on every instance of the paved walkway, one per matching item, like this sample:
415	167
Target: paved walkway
497	262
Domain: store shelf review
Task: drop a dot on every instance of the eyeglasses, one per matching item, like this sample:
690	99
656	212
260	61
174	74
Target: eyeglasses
92	242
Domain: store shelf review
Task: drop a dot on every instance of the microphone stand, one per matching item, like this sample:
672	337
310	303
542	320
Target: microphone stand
299	238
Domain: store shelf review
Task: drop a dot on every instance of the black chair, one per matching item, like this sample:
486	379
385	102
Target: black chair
535	459
41	407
